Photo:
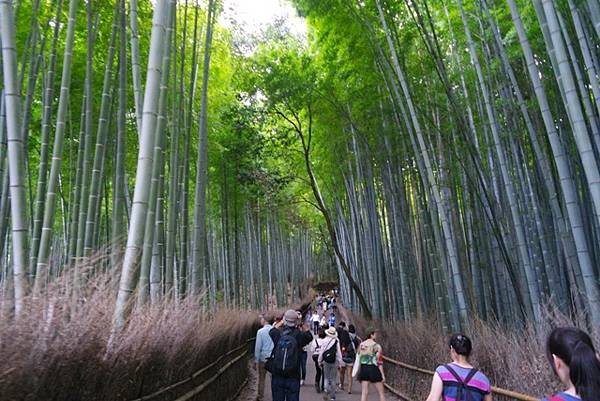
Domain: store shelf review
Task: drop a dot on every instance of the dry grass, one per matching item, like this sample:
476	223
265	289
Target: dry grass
513	358
58	349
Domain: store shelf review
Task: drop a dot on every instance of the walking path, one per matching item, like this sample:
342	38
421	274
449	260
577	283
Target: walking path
309	393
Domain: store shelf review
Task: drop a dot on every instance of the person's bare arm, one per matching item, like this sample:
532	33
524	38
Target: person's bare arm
488	397
379	358
437	387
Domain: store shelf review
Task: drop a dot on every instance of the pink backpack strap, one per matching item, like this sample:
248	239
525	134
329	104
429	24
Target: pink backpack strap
556	398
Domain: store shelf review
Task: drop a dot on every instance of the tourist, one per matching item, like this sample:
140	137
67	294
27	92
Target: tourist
289	337
344	338
330	357
575	361
315	321
303	354
303	360
459	380
371	365
315	348
262	350
331	319
350	355
323	320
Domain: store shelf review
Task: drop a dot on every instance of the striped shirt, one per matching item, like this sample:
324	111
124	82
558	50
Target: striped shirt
563	396
478	386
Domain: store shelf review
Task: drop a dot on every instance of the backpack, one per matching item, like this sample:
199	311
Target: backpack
351	350
330	354
285	359
463	393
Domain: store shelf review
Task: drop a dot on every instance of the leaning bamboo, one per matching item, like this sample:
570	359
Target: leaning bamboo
57	153
141	193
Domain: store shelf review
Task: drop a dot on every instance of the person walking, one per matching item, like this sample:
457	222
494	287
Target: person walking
575	361
370	356
315	348
459	380
304	353
315	322
263	348
330	357
344	338
350	356
303	361
323	321
331	320
289	337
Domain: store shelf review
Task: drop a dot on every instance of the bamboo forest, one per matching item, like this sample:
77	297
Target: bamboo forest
169	169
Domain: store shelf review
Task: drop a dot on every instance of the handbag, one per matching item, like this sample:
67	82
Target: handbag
356	368
315	355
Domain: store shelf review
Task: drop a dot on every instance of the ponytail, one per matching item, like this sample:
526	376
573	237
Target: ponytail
585	372
575	348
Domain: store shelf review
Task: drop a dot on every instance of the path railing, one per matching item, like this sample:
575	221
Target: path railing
507	394
196	386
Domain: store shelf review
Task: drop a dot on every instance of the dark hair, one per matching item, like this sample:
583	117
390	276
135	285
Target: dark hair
575	348
342	324
461	344
321	332
371	331
351	329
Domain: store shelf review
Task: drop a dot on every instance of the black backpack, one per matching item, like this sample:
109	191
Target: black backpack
285	359
351	350
463	393
330	353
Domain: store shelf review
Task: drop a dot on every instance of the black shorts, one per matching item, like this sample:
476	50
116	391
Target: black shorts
370	373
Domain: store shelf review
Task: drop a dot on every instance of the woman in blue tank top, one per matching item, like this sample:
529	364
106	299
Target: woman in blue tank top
574	360
459	380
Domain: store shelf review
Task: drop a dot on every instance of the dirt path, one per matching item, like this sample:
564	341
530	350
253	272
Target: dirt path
308	391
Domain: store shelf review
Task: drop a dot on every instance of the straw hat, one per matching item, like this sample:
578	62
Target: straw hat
331	332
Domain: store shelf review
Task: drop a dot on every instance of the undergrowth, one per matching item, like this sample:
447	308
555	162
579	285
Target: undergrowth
57	349
513	358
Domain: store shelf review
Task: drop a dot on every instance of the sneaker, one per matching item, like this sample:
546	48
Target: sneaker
302	382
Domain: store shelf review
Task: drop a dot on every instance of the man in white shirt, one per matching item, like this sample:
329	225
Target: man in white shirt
262	350
315	321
